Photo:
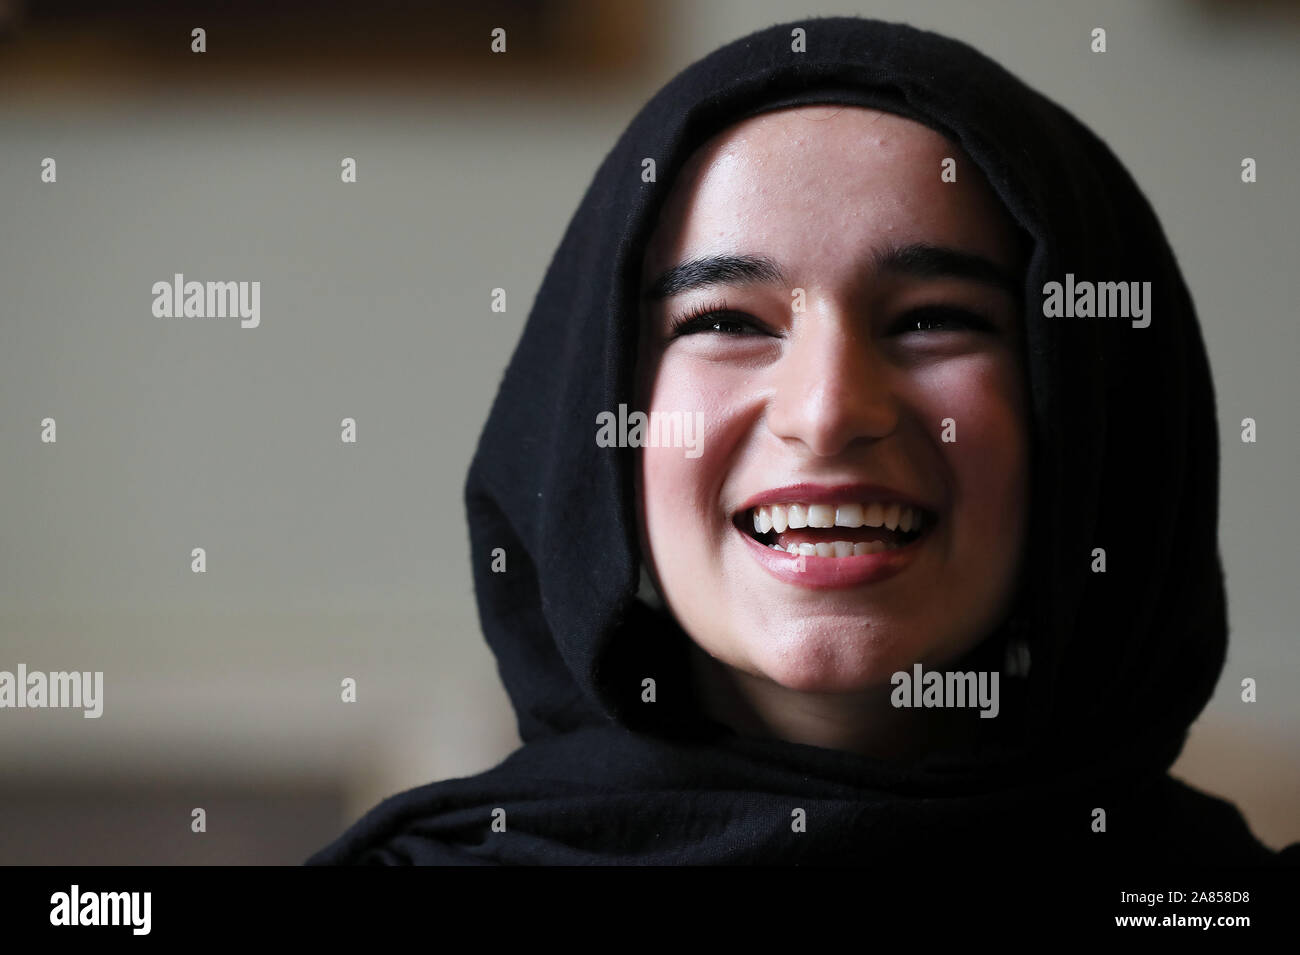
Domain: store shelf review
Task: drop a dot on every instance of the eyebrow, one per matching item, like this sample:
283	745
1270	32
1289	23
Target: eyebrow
918	260
935	261
715	270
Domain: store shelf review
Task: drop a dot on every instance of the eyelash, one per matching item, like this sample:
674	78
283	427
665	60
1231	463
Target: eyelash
703	317
968	317
693	320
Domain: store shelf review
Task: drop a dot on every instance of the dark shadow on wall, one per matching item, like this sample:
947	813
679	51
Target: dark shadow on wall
62	823
327	45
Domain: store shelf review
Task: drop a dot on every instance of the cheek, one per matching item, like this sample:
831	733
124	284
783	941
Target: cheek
682	494
988	461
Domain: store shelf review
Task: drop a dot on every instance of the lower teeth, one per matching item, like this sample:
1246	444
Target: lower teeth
838	548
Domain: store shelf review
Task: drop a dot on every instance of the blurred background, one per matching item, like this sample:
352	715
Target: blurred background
327	560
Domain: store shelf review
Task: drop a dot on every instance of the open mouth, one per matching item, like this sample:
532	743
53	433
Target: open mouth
848	529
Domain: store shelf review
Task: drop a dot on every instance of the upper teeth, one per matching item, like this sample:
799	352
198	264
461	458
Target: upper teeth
778	517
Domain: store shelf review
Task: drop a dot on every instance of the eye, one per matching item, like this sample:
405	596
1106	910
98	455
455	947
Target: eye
712	317
942	318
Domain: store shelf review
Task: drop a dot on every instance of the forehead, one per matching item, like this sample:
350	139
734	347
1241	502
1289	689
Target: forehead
816	183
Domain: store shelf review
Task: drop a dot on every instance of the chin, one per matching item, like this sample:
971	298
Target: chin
841	656
833	658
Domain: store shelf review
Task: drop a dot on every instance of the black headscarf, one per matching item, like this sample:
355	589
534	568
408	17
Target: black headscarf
1125	457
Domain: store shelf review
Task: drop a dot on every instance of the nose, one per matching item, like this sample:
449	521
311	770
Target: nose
832	385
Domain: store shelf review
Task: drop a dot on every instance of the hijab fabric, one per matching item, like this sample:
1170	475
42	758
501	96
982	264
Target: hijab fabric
1124	458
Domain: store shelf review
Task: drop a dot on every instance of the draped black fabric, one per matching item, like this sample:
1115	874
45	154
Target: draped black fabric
1124	456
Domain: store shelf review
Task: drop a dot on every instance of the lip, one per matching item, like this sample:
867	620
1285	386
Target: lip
832	573
830	494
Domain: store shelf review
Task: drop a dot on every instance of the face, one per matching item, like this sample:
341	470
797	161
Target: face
847	326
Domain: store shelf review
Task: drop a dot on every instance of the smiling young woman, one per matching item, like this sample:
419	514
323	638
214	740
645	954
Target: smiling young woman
719	654
786	561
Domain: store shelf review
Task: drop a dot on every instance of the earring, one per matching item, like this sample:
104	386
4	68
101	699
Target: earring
1016	662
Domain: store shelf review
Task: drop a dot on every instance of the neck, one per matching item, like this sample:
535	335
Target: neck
863	722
